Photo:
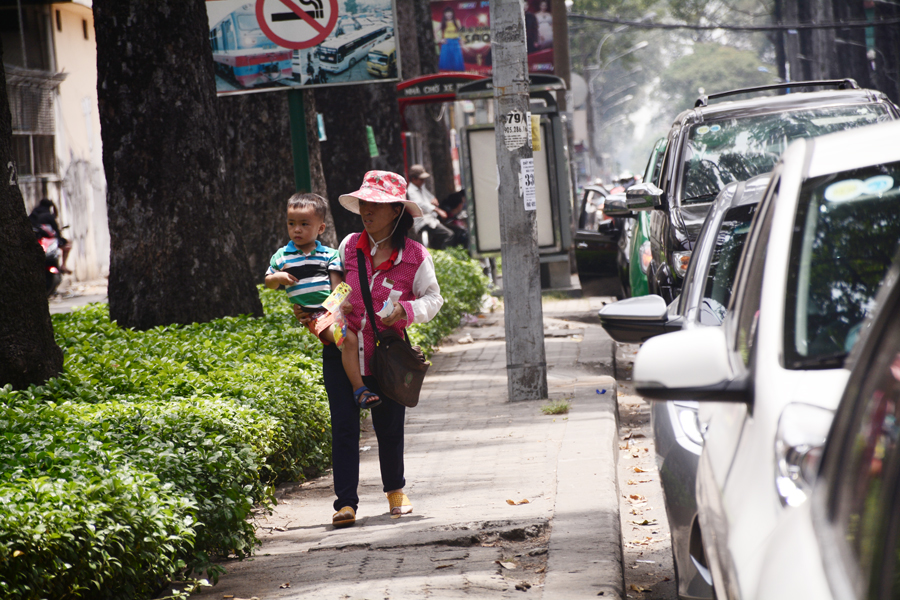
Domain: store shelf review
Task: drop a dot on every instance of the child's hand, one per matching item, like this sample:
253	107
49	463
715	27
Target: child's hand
346	308
284	278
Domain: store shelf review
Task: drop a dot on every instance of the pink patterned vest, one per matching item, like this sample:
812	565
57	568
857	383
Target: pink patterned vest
396	283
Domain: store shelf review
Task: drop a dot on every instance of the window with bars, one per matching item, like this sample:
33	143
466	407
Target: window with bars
31	100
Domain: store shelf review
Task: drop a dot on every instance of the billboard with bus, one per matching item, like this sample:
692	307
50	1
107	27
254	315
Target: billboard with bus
270	45
462	34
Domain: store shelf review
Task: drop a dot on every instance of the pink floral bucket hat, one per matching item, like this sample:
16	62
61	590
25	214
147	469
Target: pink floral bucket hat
381	186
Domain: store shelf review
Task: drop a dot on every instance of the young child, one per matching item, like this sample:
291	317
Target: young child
309	272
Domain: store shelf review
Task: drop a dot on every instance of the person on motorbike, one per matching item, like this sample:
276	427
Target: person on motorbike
45	213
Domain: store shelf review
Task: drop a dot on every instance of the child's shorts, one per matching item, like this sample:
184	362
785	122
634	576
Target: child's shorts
319	323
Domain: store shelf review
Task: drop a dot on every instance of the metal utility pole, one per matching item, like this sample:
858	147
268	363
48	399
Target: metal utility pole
526	364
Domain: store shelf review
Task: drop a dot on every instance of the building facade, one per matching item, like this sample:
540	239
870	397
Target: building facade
50	59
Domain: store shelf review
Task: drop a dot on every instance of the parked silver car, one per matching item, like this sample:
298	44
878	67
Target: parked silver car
676	428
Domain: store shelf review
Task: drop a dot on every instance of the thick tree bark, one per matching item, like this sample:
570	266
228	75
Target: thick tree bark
345	151
28	352
887	52
260	169
316	172
176	248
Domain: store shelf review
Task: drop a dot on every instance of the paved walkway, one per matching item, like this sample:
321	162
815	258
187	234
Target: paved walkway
469	454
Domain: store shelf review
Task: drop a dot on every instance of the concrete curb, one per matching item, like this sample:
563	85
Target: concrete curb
586	542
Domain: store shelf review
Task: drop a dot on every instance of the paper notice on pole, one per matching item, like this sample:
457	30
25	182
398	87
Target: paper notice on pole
515	130
529	135
527	182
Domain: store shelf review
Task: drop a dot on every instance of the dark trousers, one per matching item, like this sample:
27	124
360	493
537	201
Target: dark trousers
387	418
439	237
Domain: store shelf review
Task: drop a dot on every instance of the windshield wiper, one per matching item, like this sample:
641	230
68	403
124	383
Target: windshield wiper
835	360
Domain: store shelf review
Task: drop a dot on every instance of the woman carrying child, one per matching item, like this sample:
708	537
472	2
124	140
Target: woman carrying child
399	269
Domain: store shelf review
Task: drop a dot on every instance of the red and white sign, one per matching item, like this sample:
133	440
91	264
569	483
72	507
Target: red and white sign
297	24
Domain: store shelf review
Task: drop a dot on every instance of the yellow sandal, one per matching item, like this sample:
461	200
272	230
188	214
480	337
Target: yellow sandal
344	517
400	504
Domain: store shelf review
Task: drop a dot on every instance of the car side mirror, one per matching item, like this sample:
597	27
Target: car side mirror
643	196
615	206
689	365
636	320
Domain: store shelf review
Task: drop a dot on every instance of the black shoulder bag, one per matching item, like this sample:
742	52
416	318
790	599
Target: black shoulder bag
398	366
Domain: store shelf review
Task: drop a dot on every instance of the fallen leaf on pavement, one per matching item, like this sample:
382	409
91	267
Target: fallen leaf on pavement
514	503
285	585
638	470
443	566
645	522
638	588
523	586
636	498
506	564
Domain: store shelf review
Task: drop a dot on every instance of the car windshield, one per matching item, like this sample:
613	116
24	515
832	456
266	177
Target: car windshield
723	265
845	235
720	152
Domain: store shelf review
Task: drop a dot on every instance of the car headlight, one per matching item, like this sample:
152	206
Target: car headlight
680	262
685	422
644	253
688	418
802	429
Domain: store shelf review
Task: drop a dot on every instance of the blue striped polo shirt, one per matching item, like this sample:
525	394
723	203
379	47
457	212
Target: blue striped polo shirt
311	270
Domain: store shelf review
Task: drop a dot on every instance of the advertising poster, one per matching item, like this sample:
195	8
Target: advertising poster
270	45
462	32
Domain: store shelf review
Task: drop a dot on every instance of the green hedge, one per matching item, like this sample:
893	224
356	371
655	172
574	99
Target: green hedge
144	461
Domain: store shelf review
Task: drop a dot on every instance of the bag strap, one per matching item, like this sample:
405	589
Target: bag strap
367	294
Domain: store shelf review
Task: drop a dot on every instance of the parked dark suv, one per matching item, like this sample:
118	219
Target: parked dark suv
710	146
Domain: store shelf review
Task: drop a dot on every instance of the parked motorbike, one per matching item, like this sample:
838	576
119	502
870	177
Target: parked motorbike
50	243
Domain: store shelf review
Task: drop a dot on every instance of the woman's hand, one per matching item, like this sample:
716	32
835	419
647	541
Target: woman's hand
301	315
399	313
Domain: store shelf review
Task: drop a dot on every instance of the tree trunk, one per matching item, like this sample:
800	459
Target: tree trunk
176	249
28	352
259	170
316	173
345	152
887	52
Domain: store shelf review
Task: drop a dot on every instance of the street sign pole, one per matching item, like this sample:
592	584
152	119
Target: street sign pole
526	364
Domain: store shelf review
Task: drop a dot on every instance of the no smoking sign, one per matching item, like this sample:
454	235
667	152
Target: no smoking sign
297	24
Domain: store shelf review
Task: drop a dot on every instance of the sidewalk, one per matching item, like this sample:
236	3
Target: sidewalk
71	294
469	453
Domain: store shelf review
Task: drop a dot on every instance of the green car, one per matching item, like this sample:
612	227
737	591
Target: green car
639	242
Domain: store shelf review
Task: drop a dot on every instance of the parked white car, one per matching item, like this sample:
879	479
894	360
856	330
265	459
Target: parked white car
821	243
844	542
